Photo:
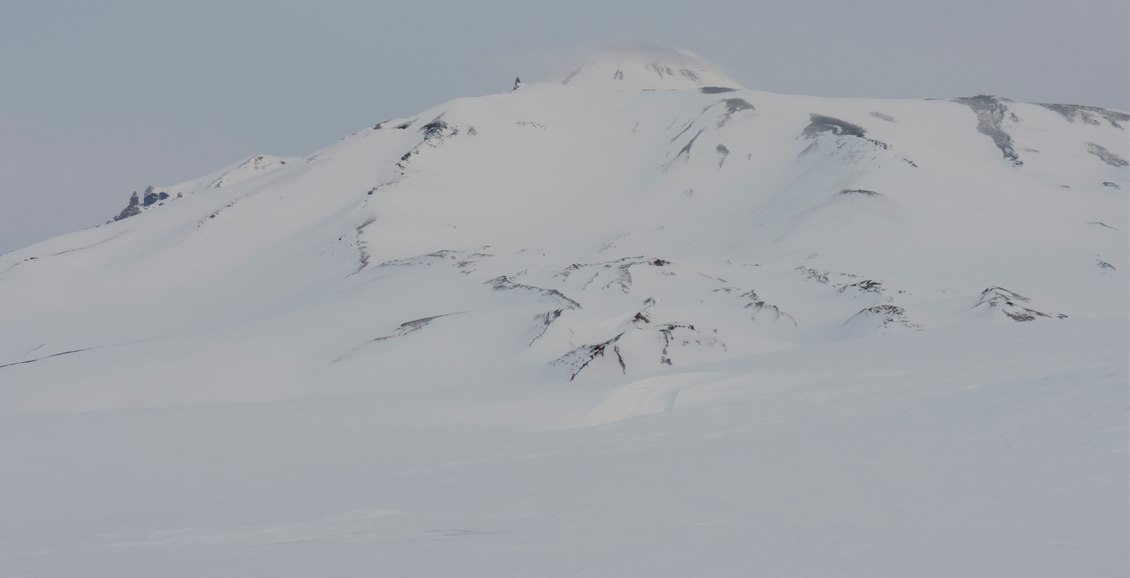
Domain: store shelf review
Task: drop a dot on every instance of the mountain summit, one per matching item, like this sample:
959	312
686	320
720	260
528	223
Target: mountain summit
642	67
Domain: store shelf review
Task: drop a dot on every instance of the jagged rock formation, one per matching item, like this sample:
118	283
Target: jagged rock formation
133	208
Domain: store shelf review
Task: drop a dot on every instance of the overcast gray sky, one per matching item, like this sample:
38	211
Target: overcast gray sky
98	99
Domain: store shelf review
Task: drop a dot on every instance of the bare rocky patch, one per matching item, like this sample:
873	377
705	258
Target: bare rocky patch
1013	305
1106	156
990	111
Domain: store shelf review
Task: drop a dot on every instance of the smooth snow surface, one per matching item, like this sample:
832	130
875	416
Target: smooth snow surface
604	325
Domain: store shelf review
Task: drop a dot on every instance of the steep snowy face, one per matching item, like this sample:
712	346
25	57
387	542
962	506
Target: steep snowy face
642	67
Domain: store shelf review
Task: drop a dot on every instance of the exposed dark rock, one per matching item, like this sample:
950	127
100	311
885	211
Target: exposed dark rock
402	164
716	89
153	197
865	192
1102	224
435	129
696	337
444	255
133	208
882	116
543	321
865	286
578	359
820	124
1088	114
667	331
817	275
409	327
404	329
623	267
1012	305
362	246
690	74
214	214
682	131
401	126
886	315
824	277
733	106
1106	156
504	283
723	152
990	112
736	105
758	305
1111	185
685	152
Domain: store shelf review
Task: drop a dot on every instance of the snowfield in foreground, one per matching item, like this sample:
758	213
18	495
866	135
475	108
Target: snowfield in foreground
633	321
953	453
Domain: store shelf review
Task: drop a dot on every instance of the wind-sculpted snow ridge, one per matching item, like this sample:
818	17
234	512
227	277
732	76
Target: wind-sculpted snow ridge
251	168
579	289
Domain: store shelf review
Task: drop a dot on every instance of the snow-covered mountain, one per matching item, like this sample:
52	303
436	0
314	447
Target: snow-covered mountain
636	235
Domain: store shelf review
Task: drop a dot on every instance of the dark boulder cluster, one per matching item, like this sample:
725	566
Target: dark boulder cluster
150	197
131	209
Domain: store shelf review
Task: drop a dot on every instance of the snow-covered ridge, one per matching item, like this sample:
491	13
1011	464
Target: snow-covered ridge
250	168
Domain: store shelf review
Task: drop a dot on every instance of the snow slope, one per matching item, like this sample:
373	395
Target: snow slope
620	322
